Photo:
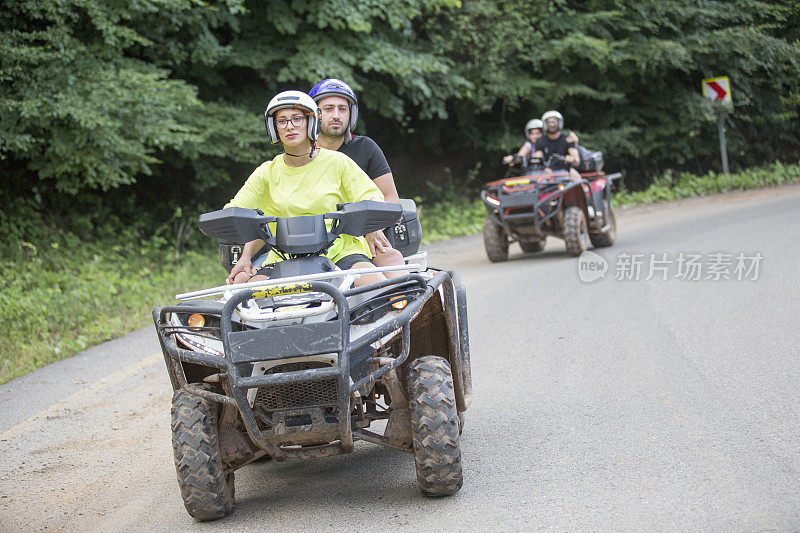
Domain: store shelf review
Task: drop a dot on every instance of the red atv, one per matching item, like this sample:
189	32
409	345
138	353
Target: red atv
531	204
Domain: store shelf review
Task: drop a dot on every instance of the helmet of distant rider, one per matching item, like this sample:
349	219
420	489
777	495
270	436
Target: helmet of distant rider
554	114
295	100
334	87
533	124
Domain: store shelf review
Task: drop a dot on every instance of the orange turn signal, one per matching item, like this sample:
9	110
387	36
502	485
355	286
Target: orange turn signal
196	320
399	302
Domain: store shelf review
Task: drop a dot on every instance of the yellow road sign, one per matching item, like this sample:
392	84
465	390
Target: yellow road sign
718	89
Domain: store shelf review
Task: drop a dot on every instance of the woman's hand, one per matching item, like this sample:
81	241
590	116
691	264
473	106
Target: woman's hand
242	265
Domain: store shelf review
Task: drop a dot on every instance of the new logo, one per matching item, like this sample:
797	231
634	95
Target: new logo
591	267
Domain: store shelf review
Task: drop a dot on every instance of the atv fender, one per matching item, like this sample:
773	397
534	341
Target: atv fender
441	330
575	195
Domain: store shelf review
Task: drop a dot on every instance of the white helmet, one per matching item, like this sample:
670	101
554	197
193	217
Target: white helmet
296	100
557	115
533	124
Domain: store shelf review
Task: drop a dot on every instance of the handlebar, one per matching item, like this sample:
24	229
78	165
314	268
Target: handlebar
537	163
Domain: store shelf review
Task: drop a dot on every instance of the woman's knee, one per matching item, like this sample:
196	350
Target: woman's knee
241	277
366	279
388	257
362	264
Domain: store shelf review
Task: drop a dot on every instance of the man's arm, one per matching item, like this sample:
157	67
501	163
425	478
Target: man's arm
572	137
573	157
386	184
376	240
378	169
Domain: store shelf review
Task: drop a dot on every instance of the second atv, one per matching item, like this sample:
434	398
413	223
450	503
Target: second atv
532	204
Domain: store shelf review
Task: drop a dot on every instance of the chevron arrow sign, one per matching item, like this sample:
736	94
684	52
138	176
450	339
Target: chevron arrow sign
718	89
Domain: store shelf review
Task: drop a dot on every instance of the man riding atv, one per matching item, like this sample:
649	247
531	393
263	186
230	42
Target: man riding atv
548	197
554	148
339	107
533	132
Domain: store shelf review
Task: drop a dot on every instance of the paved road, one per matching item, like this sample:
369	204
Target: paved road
612	405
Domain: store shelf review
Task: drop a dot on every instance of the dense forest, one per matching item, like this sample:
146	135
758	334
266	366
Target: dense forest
136	114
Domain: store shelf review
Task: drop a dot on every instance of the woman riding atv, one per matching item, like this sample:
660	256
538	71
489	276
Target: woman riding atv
305	180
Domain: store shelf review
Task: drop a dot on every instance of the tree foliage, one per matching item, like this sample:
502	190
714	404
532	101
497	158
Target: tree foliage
137	108
626	74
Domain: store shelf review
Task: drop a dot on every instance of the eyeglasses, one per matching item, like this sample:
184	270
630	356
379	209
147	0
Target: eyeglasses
297	121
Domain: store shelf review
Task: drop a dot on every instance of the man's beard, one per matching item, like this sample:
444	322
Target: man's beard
329	130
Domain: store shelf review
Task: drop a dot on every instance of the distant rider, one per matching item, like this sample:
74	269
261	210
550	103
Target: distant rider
533	131
555	142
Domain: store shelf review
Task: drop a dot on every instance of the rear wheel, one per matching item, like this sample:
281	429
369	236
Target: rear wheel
434	426
530	247
576	231
606	238
495	241
206	488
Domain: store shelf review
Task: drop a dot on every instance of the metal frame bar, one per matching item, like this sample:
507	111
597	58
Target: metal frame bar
239	287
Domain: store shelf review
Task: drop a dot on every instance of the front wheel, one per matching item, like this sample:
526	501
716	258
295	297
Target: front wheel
495	241
576	231
206	488
606	238
434	426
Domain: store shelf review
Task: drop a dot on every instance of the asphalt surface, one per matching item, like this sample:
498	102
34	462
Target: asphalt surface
620	404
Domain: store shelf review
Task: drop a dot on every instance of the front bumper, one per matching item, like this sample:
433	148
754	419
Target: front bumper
242	349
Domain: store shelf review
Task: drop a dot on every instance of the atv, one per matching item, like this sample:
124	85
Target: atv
531	204
302	365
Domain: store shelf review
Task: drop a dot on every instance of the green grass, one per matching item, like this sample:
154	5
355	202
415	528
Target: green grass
454	217
61	297
69	296
670	186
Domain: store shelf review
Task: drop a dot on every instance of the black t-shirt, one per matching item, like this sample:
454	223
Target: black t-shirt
550	146
367	154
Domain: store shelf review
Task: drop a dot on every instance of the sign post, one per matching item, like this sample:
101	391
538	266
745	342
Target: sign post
719	90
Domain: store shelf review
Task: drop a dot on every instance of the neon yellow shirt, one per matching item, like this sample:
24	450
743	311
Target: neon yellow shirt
283	191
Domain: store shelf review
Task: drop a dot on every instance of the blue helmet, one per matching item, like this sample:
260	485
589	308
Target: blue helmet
334	87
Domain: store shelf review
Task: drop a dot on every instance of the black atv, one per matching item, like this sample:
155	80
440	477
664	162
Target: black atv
530	204
301	365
